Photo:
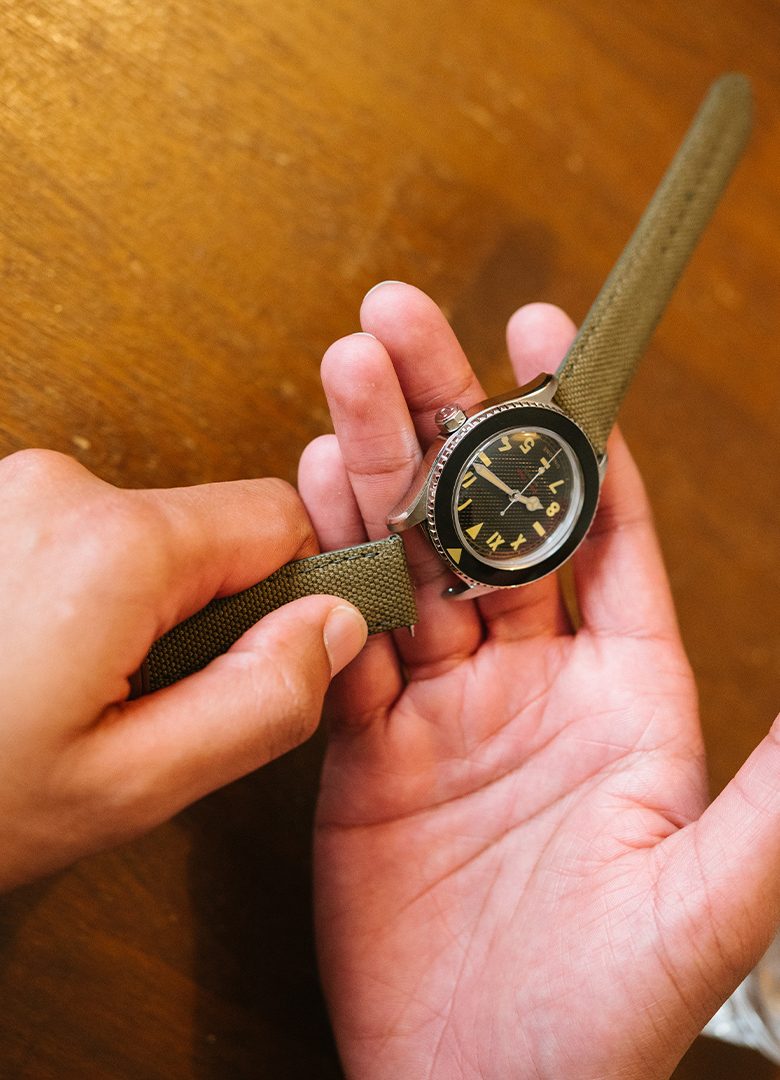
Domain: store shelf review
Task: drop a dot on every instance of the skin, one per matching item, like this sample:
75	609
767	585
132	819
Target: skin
90	576
517	870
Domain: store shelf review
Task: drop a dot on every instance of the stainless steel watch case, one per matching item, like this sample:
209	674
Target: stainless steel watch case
428	500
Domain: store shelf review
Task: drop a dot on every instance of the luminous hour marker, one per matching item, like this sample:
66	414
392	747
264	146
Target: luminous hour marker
465	504
495	541
484	458
516	543
469	479
473	532
505	444
557	484
525	436
455	554
539	528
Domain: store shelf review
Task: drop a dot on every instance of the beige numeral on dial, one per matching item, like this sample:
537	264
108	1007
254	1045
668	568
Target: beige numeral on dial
495	541
553	509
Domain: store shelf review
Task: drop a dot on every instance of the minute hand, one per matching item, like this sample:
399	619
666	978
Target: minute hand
485	473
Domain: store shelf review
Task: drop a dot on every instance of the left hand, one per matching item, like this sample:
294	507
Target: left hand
517	874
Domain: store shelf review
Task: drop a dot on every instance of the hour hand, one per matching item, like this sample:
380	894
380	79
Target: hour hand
529	501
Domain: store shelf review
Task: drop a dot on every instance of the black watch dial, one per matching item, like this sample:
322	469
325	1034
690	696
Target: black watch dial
517	497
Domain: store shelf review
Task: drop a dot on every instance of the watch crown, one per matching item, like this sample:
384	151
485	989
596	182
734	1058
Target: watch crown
449	418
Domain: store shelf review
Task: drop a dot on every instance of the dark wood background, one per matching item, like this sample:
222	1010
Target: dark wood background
194	196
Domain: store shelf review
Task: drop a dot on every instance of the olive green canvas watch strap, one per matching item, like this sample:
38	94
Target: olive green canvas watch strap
374	577
598	367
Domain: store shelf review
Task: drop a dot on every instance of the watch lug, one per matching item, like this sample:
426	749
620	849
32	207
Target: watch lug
602	462
463	591
541	389
412	508
409	512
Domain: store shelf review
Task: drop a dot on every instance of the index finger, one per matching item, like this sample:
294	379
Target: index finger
429	363
112	570
219	539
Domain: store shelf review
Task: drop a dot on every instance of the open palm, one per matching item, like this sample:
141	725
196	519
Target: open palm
515	872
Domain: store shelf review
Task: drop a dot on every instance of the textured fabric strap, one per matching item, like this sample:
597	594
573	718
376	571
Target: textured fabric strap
597	369
374	577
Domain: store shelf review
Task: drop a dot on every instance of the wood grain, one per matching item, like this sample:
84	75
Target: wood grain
193	199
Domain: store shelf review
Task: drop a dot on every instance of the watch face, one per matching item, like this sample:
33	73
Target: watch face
515	494
517	497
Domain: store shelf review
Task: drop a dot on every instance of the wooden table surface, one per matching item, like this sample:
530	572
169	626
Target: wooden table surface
193	198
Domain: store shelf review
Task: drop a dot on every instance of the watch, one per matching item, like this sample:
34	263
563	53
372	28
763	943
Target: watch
509	488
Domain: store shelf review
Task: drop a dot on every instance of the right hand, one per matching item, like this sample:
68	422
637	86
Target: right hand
90	576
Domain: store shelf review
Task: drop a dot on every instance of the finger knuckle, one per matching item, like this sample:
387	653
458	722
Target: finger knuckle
126	534
280	696
304	706
36	468
288	508
122	521
375	457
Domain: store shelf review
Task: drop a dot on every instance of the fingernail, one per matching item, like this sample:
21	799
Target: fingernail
380	285
345	635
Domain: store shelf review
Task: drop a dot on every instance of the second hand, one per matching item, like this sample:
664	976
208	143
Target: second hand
539	472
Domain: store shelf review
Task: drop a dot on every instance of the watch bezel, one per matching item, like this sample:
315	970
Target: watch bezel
453	456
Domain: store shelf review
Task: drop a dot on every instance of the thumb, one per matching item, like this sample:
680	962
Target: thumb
261	698
737	847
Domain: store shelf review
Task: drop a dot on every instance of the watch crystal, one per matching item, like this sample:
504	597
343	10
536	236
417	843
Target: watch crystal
517	497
